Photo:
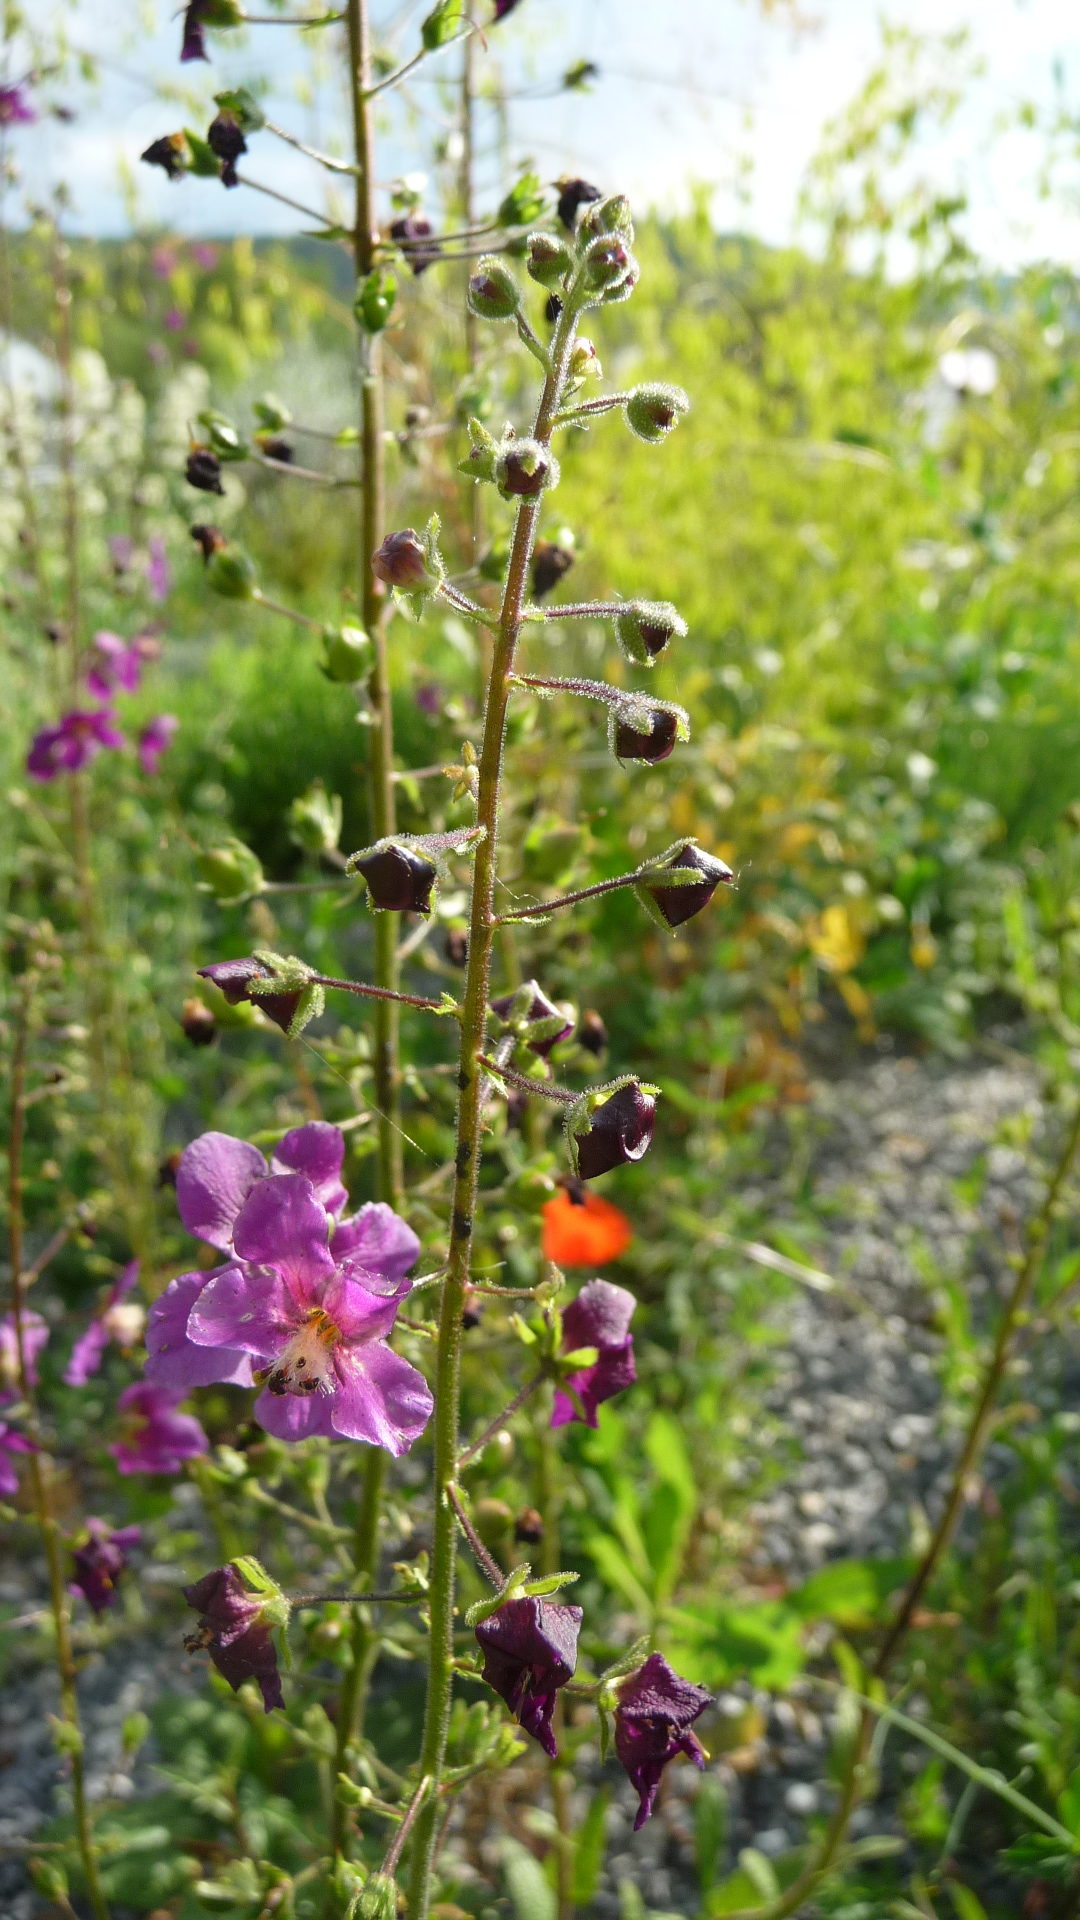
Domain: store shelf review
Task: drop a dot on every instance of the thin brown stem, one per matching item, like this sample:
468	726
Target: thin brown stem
493	1426
489	1567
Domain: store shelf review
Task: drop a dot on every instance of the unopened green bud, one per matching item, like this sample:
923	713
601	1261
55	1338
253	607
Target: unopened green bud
646	627
229	871
611	215
548	259
493	293
272	413
441	25
231	572
379	1899
608	261
315	819
344	653
652	411
375	297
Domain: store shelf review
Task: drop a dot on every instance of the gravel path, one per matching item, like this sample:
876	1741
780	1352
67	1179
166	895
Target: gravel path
894	1146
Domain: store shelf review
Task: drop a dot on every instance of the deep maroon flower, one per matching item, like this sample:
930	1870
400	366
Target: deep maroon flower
116	666
234	979
619	1131
678	904
154	739
530	1651
203	470
653	1718
418	241
225	138
35	1337
318	1323
15	108
600	1317
77	738
11	1442
398	879
401	561
572	195
100	1561
171	153
194	43
537	1021
657	744
234	1629
209	540
120	1319
154	1438
550	563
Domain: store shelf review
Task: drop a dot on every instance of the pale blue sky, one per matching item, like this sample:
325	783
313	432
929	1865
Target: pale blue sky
705	90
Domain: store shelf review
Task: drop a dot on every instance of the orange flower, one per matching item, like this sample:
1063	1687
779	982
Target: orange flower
585	1232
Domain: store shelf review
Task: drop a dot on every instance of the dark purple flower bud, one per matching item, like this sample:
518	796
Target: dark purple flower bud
198	1023
617	1132
572	195
548	260
655	745
209	540
493	293
225	138
401	561
529	1527
550	563
681	902
171	153
398	879
233	978
530	1651
273	449
537	1021
600	1317
524	468
76	740
203	470
417	239
236	1632
608	262
645	627
502	9
653	1719
100	1561
592	1033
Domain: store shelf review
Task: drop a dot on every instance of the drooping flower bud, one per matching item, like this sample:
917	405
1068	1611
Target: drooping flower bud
402	562
503	8
653	1719
171	153
535	1019
418	241
547	260
235	1629
614	1133
524	468
399	880
225	138
550	562
230	871
315	819
647	730
198	1023
652	411
209	540
572	195
679	903
272	448
203	470
530	1651
493	293
236	979
199	14
644	629
100	1561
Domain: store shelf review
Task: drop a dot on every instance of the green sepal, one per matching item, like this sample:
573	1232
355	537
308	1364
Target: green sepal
539	1589
525	202
204	163
511	1589
442	24
243	107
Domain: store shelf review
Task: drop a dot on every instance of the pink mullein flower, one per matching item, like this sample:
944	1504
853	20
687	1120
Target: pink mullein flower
35	1336
76	740
154	739
116	666
120	1320
599	1317
154	1438
11	1442
15	108
100	1561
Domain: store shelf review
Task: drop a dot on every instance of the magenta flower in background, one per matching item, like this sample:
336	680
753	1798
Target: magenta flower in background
154	1438
175	320
121	553
205	255
154	739
530	1651
77	739
35	1336
318	1327
653	1719
163	262
600	1317
158	572
216	1175
236	1633
120	1319
116	666
100	1561
11	1442
15	106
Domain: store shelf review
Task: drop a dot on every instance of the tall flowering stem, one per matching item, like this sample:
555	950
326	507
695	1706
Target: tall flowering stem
70	1738
474	1022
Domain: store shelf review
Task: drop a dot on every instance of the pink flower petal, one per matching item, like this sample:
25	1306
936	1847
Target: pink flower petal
282	1225
381	1398
215	1176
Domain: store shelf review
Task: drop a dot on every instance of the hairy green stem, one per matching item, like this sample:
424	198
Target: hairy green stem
474	1021
39	1467
1013	1318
